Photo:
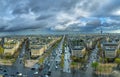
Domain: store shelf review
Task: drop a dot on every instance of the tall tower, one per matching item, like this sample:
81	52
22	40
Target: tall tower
2	41
101	31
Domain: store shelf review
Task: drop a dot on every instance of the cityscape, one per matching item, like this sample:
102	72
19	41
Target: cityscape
80	55
59	38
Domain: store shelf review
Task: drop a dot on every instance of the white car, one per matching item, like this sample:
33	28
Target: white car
56	67
46	75
20	74
36	73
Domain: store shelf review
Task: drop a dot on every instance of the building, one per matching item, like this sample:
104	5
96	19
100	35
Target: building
78	51
110	49
11	45
77	47
37	51
38	45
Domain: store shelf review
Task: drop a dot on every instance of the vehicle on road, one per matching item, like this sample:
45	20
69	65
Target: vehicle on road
49	73
32	68
35	73
56	67
19	74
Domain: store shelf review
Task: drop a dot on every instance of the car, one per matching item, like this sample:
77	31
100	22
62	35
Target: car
56	67
49	73
20	61
5	71
48	64
46	76
32	68
35	73
19	74
5	74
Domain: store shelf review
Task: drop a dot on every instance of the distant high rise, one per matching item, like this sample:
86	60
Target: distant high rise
2	43
101	30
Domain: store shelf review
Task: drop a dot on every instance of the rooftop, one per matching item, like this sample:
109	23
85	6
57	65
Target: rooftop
110	44
77	47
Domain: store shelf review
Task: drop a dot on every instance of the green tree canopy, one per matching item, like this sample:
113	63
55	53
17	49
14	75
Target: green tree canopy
1	50
95	65
41	60
117	60
118	52
99	45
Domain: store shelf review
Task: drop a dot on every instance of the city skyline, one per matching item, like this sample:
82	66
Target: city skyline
48	16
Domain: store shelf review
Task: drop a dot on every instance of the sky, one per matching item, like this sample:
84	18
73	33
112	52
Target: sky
89	16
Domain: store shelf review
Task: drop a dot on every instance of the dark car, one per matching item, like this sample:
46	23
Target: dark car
5	71
5	74
32	68
17	72
49	73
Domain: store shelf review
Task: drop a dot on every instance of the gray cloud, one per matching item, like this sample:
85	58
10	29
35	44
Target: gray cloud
43	17
70	15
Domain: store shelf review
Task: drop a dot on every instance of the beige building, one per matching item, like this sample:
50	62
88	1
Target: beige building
37	48
10	46
37	51
78	51
110	49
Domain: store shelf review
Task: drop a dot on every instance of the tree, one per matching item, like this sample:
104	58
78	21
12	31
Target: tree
62	60
95	65
103	60
99	45
117	61
8	56
118	52
41	60
1	51
73	68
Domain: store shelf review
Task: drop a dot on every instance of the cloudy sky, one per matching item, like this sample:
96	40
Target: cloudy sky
60	15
